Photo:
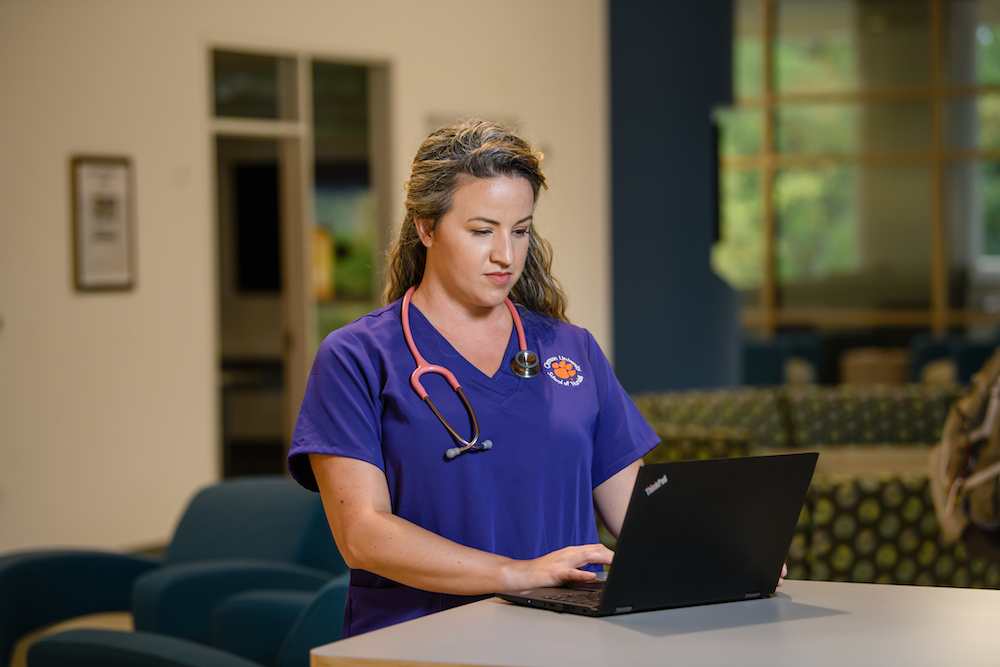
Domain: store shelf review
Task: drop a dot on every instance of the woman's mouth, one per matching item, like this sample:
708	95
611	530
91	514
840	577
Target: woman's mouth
499	278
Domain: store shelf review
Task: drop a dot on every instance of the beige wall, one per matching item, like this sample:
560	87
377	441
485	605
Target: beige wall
108	407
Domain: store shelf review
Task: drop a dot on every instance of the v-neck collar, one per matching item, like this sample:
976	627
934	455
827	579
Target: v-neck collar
436	349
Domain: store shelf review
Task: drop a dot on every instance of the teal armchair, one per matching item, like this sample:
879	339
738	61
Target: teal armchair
245	534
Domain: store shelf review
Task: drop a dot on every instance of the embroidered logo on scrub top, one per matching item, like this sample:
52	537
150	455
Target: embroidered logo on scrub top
563	371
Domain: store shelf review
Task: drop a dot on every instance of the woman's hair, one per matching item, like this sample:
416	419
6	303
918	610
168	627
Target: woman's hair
447	159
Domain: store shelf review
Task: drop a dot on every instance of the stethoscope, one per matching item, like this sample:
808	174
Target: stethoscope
524	365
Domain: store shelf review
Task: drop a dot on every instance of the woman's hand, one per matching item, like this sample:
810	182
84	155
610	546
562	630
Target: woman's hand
784	573
559	567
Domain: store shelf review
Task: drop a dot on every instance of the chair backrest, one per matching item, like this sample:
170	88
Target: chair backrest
271	518
322	622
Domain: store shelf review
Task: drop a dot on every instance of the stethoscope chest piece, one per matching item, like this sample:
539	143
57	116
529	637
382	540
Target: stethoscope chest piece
525	364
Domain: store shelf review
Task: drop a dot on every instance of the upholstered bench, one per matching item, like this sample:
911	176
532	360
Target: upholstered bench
685	443
869	517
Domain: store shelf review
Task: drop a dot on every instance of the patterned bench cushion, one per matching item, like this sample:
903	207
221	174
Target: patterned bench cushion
685	443
908	414
757	411
881	529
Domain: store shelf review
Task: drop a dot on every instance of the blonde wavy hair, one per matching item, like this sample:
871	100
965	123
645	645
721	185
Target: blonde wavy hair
477	149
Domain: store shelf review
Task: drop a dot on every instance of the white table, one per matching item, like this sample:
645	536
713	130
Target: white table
806	623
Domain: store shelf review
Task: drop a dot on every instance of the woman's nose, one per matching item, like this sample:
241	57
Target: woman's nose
503	251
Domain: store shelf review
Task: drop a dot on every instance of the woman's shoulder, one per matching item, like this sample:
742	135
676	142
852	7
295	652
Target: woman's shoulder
549	328
378	329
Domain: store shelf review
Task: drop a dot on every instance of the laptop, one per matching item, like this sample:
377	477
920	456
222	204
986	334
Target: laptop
696	532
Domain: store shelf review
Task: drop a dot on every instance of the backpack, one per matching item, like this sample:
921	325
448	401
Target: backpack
965	464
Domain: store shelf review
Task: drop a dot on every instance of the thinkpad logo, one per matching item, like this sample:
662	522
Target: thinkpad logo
655	486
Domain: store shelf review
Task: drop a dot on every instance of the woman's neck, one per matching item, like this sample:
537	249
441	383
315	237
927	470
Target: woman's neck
481	335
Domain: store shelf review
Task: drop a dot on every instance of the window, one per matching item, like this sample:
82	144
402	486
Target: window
860	164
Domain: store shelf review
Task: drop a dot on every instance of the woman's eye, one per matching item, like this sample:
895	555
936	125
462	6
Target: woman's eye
480	232
522	232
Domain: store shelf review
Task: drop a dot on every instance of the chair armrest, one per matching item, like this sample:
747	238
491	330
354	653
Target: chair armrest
256	624
112	648
38	588
322	622
178	600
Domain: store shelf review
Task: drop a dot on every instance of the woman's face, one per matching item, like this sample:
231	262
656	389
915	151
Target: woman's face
477	250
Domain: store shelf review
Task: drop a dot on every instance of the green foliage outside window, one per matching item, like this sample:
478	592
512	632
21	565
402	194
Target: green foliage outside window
740	131
816	128
989	136
748	65
988	116
988	38
816	233
739	258
812	62
989	179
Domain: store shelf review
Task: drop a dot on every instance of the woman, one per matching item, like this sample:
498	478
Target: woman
425	528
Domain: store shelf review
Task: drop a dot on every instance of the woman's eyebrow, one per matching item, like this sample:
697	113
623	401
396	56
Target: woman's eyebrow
529	218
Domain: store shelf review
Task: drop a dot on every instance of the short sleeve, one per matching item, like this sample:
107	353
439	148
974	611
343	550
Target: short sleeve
341	409
622	434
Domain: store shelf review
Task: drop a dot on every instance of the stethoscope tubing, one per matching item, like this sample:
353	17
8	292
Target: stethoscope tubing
423	367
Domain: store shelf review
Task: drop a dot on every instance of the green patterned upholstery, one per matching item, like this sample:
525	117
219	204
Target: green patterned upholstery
758	412
685	443
881	529
798	551
908	414
810	416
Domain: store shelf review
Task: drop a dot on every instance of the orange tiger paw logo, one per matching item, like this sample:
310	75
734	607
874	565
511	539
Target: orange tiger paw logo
563	370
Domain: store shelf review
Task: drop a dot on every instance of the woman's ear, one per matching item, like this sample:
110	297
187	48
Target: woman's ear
425	229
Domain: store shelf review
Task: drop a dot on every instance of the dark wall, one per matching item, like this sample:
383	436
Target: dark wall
676	324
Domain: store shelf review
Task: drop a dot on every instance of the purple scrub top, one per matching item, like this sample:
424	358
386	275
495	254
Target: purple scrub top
555	437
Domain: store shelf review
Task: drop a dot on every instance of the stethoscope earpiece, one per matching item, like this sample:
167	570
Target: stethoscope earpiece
525	364
481	447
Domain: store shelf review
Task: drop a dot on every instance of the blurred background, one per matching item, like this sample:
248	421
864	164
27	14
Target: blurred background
742	192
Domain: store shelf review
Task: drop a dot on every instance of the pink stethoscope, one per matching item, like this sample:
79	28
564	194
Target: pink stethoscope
524	365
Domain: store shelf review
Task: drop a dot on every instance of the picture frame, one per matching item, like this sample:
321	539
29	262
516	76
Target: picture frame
102	196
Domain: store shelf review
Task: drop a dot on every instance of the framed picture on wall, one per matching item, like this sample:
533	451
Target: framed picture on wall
103	228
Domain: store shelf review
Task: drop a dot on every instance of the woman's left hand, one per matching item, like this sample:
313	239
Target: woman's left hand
784	573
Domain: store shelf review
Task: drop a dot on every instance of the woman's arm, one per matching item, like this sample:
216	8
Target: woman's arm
370	537
613	495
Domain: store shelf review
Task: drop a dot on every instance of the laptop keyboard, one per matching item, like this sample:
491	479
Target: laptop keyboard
586	598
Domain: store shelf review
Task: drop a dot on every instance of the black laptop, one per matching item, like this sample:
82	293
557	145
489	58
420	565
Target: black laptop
696	532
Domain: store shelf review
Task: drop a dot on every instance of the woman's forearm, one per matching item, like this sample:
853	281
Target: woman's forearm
404	552
372	538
